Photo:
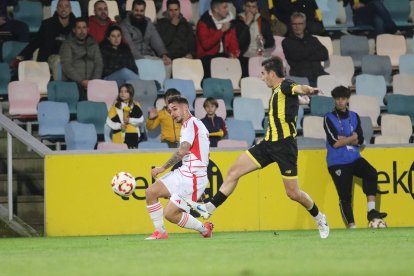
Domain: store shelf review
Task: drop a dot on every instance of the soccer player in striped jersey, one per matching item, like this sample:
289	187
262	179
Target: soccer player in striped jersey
186	183
278	146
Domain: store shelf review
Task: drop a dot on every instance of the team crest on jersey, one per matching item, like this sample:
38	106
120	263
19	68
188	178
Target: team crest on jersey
338	172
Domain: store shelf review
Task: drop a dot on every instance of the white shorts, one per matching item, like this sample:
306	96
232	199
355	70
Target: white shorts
182	186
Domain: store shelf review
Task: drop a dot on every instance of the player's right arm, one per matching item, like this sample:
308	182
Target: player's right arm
183	150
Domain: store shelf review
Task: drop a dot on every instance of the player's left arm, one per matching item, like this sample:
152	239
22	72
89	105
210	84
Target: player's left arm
177	156
305	89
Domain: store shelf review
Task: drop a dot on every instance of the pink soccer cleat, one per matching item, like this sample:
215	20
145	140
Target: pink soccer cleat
158	236
209	226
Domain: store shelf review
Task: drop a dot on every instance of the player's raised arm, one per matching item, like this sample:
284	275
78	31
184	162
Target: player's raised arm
306	90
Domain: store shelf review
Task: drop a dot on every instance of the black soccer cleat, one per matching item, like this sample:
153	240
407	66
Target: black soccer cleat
374	214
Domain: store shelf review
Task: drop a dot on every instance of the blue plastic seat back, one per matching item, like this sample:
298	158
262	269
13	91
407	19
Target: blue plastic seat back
52	118
92	113
79	136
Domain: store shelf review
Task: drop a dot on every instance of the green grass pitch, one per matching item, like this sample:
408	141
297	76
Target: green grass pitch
346	252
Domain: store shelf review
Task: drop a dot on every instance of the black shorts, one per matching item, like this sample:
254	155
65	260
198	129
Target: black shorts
284	152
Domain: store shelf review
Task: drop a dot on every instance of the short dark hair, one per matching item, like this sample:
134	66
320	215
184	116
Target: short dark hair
178	99
111	28
173	2
210	100
97	2
171	92
139	3
217	2
341	92
81	19
274	64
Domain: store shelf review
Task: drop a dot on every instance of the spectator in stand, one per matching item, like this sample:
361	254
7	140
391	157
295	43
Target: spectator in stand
124	117
81	58
99	22
254	35
170	130
215	125
176	32
303	51
52	32
283	9
118	62
374	13
142	36
216	37
18	29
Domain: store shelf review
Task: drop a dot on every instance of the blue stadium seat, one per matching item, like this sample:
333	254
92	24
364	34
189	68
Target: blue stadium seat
251	110
79	136
145	94
5	78
11	49
64	91
354	46
30	12
240	130
186	88
371	85
401	105
92	113
407	64
320	105
219	89
152	145
377	65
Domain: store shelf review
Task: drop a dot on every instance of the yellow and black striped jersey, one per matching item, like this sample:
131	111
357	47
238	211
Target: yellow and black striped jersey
283	112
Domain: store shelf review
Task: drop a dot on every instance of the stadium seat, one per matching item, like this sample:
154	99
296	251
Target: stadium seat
403	84
298	80
30	12
327	42
102	91
186	88
11	49
370	85
377	65
407	64
301	113
64	91
255	66
145	94
249	109
396	125
152	69
111	146
354	46
342	68
52	118
313	127
92	113
226	143
391	45
219	89
113	9
76	10
255	88
389	139
240	130
5	78
188	69
401	105
200	112
400	12
327	83
320	105
79	136
152	145
227	68
37	72
330	11
367	129
365	106
23	99
308	142
203	6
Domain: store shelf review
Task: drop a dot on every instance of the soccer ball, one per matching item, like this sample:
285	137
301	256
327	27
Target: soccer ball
377	223
123	184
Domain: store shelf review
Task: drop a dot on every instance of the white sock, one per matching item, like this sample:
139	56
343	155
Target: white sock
155	212
190	222
318	216
371	205
210	207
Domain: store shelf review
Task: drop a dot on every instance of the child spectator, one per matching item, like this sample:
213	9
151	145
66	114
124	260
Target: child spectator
124	117
170	130
214	124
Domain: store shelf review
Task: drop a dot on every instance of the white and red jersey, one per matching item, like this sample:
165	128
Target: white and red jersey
194	132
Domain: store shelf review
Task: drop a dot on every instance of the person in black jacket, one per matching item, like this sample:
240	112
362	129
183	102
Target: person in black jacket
253	34
303	51
176	32
52	32
18	29
118	61
215	125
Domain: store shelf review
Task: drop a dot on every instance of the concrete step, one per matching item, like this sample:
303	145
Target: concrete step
23	184
23	163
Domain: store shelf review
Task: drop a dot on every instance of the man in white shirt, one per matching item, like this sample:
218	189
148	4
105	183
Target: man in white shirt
188	182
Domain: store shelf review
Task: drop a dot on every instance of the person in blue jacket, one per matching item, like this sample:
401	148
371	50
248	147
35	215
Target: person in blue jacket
344	138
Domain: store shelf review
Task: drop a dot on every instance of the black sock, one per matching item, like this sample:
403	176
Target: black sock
314	211
218	199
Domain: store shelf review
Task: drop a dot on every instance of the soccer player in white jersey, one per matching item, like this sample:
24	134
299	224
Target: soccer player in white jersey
188	182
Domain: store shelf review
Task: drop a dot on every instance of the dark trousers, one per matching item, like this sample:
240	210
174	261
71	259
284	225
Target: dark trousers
342	175
376	14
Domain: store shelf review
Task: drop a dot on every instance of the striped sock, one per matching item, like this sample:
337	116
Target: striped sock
155	212
189	222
